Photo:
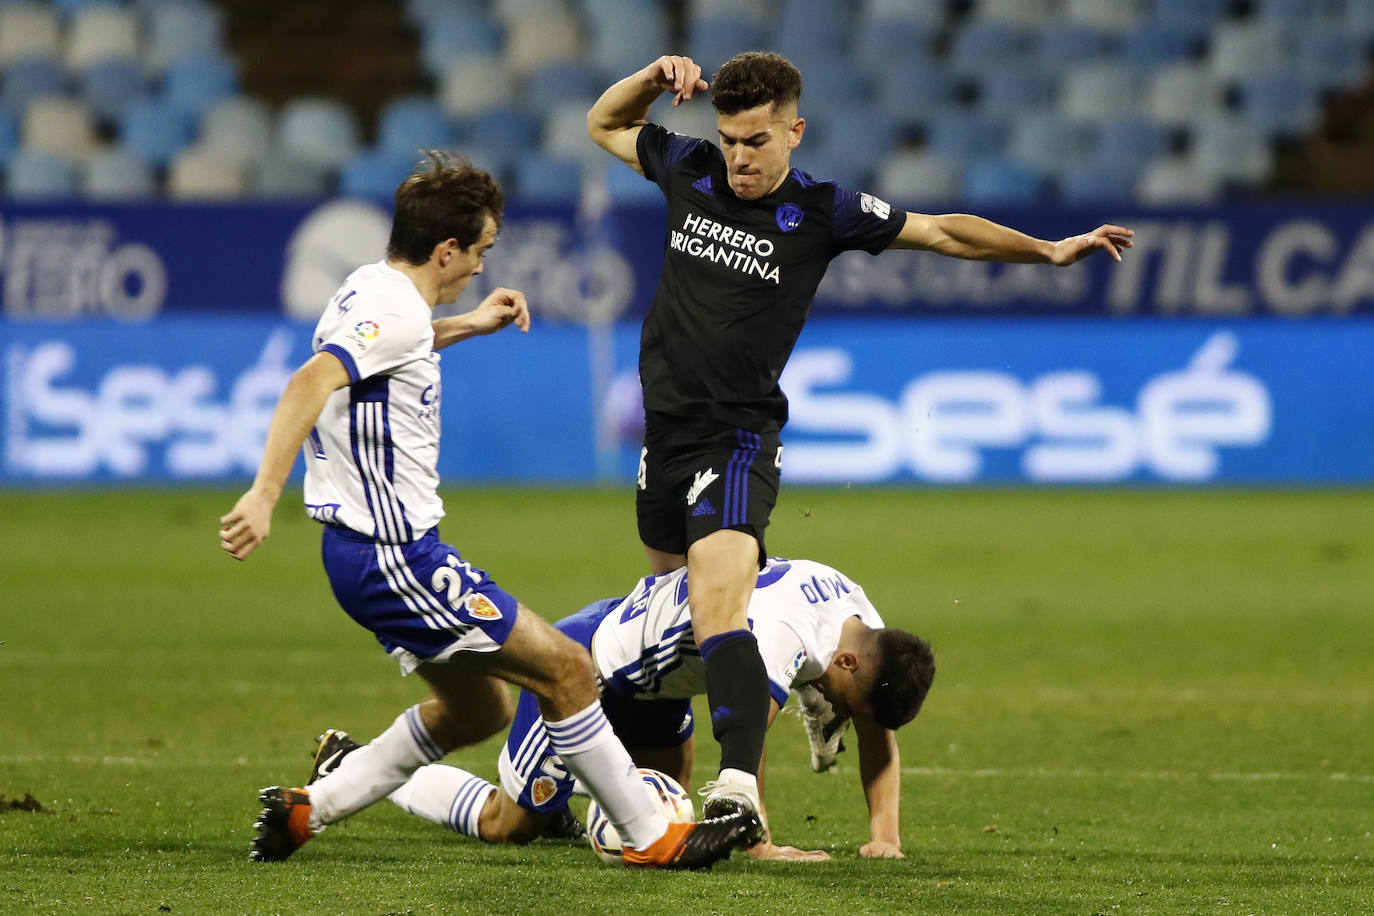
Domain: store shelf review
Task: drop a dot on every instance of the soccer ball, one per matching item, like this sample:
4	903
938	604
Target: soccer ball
667	794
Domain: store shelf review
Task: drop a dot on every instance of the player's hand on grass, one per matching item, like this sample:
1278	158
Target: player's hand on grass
502	308
247	524
1111	239
766	850
880	849
678	75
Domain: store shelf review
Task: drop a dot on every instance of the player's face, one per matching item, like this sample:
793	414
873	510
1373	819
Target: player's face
758	145
466	263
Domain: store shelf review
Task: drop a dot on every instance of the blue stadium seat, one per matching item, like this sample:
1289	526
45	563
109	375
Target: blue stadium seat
1003	182
67	8
1232	150
30	78
9	136
177	30
1195	14
1330	57
880	43
964	137
1299	14
1280	104
827	163
155	130
861	133
627	187
807	26
711	42
375	174
198	81
1131	142
1069	44
238	130
621	30
1359	19
1098	183
1153	44
913	90
450	37
914	176
1048	142
832	80
554	83
319	130
1241	50
1003	93
930	13
412	123
32	174
110	86
978	44
423	14
280	175
548	179
506	132
116	174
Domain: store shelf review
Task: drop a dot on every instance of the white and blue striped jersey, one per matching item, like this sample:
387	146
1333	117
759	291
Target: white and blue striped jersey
645	644
371	463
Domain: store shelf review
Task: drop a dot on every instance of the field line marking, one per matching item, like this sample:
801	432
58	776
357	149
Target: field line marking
1144	775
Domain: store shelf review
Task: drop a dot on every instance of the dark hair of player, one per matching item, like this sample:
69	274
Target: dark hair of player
755	78
905	669
447	197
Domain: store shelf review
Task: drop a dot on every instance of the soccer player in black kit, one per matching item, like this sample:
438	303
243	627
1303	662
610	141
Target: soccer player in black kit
748	241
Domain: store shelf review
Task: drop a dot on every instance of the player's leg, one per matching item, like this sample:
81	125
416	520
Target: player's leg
559	672
430	610
728	507
466	803
421	735
722	569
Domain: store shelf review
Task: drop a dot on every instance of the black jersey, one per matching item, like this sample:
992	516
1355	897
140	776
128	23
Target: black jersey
738	280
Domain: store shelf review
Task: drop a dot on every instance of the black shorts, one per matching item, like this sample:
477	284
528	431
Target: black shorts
695	480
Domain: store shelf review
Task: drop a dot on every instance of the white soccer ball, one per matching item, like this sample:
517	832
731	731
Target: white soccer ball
667	794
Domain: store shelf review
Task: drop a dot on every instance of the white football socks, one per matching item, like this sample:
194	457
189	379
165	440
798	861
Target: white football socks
446	796
592	753
373	771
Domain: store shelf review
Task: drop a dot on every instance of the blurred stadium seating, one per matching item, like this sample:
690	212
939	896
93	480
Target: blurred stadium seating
994	101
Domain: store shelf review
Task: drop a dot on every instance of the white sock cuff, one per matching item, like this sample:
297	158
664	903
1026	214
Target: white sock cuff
578	732
465	814
430	750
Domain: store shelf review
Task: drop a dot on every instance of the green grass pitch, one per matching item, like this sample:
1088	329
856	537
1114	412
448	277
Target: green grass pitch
1148	702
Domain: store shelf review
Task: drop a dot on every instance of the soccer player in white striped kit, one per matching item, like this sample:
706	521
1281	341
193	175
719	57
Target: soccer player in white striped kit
819	635
366	408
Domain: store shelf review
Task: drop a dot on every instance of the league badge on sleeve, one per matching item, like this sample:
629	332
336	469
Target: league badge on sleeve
365	332
875	205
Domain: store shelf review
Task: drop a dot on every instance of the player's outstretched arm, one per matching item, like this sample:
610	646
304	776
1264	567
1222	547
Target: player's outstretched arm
961	235
880	769
615	119
501	309
249	523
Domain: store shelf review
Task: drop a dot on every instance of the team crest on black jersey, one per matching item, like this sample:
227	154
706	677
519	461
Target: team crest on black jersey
703	184
789	217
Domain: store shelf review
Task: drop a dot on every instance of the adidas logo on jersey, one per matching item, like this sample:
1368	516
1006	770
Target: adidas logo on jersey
704	508
703	184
